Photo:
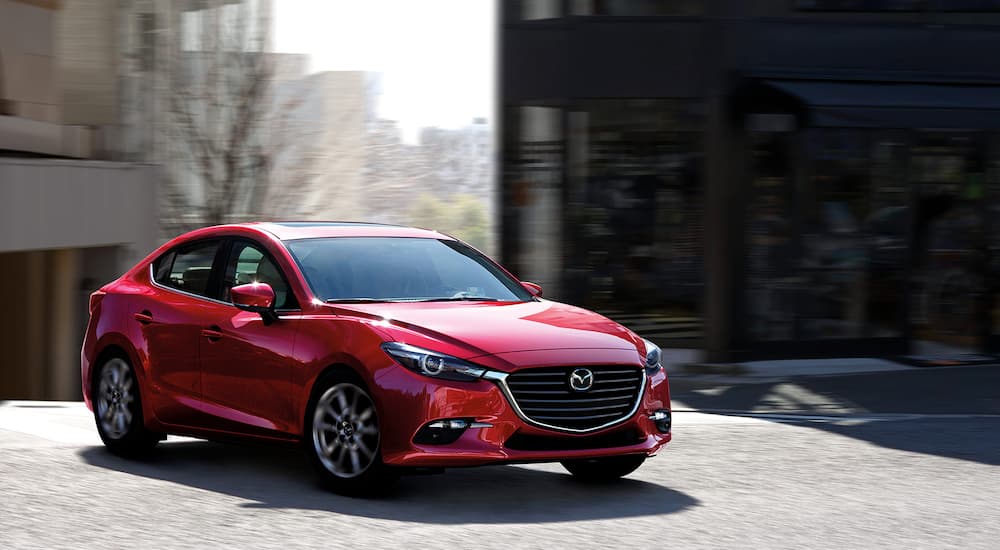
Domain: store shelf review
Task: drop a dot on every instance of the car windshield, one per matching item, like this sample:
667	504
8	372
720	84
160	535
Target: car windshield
401	269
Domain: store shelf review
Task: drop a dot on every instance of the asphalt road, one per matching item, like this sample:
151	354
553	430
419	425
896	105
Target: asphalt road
817	463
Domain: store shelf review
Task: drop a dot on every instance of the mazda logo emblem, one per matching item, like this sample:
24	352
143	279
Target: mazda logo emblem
581	379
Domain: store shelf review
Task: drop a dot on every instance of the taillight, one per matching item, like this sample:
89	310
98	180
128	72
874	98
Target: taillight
95	299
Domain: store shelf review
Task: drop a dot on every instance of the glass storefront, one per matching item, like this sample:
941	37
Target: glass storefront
826	245
861	234
635	213
771	275
851	235
991	303
949	239
637	7
611	217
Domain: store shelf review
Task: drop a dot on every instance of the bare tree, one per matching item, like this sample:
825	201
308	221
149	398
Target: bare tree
225	127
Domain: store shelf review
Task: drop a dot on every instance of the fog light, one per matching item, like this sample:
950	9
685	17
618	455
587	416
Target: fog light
662	420
443	432
456	424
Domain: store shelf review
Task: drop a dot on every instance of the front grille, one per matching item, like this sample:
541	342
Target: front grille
544	396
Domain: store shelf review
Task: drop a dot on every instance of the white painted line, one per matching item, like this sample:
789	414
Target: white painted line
847	417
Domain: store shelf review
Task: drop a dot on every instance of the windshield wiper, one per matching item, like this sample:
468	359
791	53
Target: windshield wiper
357	300
463	299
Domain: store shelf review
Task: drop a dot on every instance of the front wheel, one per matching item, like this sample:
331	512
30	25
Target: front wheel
603	469
118	410
343	439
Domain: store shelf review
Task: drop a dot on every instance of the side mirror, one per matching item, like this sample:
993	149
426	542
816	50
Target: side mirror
534	289
255	297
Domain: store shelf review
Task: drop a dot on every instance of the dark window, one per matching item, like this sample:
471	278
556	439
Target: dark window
971	6
531	10
860	5
147	38
966	5
634	208
248	263
638	7
190	267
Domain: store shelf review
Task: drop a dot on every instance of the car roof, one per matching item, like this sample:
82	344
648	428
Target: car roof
292	230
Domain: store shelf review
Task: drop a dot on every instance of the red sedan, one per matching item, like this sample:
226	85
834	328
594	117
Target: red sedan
381	349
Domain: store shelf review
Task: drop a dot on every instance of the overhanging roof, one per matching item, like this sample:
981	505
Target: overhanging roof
891	104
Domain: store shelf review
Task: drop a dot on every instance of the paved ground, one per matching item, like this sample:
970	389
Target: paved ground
886	460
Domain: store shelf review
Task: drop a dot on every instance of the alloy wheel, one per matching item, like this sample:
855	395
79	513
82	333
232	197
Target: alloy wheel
345	430
115	397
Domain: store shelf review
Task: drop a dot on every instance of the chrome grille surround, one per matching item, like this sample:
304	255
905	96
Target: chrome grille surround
625	379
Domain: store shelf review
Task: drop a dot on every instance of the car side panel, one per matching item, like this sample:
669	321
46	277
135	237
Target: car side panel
246	373
109	328
169	345
104	328
324	341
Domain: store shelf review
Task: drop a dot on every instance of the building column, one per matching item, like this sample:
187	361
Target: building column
726	160
64	363
35	302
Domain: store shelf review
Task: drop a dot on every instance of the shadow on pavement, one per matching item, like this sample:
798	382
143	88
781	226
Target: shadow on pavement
282	478
955	412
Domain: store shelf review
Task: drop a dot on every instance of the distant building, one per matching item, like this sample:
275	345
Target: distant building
321	119
71	218
460	159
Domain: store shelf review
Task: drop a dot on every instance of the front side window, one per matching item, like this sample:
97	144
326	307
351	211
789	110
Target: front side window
401	270
188	267
249	264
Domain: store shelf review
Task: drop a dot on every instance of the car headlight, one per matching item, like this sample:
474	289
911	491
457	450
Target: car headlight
653	357
432	363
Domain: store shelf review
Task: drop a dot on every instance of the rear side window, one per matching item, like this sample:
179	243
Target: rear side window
187	268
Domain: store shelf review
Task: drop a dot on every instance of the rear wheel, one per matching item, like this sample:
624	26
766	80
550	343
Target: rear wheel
118	410
343	438
603	469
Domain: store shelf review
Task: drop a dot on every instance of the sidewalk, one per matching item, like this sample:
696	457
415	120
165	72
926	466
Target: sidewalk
688	364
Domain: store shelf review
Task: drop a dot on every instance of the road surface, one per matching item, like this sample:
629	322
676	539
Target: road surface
789	465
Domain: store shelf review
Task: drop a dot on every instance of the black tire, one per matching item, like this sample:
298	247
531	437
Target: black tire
118	409
346	450
603	469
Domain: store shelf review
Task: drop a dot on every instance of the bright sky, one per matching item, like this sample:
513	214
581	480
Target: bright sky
436	56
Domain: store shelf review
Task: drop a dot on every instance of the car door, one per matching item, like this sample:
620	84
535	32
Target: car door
246	365
167	319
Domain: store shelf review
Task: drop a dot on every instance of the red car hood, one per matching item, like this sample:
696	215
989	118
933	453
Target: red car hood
489	328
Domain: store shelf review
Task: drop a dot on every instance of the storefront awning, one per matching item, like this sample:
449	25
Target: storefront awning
892	105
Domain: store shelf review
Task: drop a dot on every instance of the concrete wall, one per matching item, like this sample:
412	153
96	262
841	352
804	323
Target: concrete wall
66	228
38	80
50	204
86	54
28	86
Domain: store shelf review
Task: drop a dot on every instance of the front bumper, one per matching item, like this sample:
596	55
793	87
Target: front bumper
416	400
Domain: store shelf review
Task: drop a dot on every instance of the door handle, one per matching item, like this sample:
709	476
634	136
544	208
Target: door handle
144	317
213	333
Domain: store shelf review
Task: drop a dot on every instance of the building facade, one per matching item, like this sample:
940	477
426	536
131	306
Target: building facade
759	178
71	219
